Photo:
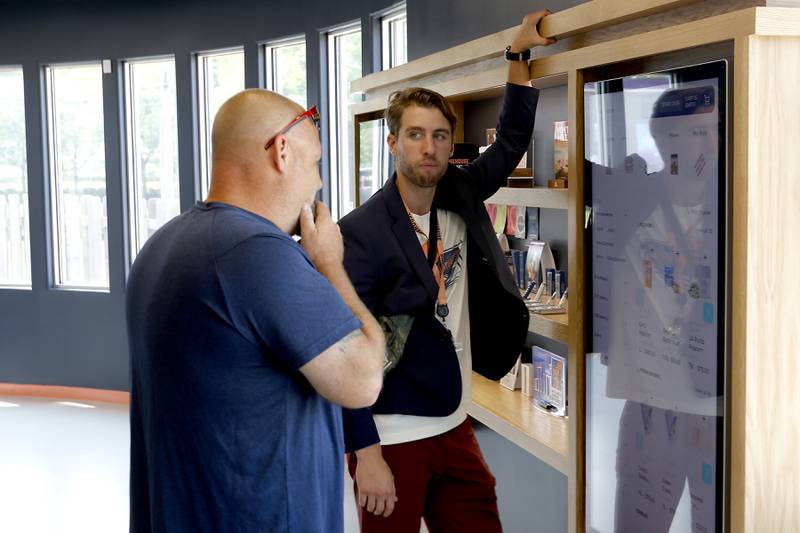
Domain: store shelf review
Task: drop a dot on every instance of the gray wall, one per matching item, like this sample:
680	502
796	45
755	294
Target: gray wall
531	496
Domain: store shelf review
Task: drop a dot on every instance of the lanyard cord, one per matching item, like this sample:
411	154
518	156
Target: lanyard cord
435	259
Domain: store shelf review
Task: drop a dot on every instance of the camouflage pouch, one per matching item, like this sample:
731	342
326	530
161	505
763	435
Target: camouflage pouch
396	329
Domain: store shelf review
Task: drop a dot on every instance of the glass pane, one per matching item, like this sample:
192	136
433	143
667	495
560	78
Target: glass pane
373	158
78	175
221	75
289	72
347	53
15	258
393	40
152	147
398	36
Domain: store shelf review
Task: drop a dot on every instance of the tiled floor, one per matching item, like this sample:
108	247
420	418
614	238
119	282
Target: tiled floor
64	467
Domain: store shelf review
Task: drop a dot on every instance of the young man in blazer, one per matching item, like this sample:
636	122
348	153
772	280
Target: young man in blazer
450	307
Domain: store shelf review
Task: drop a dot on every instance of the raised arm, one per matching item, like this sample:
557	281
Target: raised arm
527	37
515	126
350	372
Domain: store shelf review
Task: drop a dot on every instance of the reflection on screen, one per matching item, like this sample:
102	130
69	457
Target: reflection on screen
653	151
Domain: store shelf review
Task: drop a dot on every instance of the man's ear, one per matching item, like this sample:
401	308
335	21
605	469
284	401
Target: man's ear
452	148
391	140
280	153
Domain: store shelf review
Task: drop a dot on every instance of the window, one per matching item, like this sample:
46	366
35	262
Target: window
393	38
151	146
375	164
285	65
77	175
15	256
344	65
220	75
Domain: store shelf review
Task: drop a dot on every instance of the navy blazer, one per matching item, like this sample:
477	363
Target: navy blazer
391	275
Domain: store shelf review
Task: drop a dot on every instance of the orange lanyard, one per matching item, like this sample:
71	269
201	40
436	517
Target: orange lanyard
438	264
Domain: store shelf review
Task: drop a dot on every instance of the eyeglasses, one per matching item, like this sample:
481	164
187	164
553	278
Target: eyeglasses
310	113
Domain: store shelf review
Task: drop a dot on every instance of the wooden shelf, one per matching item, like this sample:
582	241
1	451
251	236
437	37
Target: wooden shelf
513	416
531	197
551	326
592	15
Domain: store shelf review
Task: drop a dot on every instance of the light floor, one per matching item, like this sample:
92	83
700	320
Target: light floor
64	467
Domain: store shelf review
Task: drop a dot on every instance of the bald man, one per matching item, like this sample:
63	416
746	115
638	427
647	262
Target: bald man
244	343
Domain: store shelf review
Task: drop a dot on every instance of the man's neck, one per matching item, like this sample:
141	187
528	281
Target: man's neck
273	211
417	199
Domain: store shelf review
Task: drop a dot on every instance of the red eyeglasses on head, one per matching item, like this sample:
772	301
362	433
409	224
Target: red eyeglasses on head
310	113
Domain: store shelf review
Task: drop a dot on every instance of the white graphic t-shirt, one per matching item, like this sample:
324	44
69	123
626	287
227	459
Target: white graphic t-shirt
394	429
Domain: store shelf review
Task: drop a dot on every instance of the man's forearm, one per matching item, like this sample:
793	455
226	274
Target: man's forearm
373	451
337	276
519	73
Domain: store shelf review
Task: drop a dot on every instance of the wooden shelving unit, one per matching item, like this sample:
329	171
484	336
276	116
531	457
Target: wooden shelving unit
555	327
532	197
763	37
513	415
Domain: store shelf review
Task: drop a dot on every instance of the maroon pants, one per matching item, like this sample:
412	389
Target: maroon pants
442	479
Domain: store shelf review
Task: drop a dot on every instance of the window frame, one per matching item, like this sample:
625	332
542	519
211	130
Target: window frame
7	284
267	53
203	121
334	127
128	144
387	19
56	248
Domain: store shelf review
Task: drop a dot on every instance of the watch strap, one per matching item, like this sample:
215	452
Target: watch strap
525	55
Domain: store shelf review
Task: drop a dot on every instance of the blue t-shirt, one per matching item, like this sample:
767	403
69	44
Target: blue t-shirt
223	308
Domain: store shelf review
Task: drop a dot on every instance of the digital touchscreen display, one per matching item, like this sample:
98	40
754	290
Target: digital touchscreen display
656	166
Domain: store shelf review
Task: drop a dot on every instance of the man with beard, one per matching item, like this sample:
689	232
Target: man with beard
414	453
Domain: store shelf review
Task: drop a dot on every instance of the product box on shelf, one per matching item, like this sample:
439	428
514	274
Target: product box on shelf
532	224
549	381
515	221
561	150
463	154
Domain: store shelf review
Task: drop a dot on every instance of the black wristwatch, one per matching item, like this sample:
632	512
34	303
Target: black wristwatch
525	55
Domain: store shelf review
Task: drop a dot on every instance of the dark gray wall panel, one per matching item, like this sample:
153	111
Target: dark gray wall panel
440	24
531	496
